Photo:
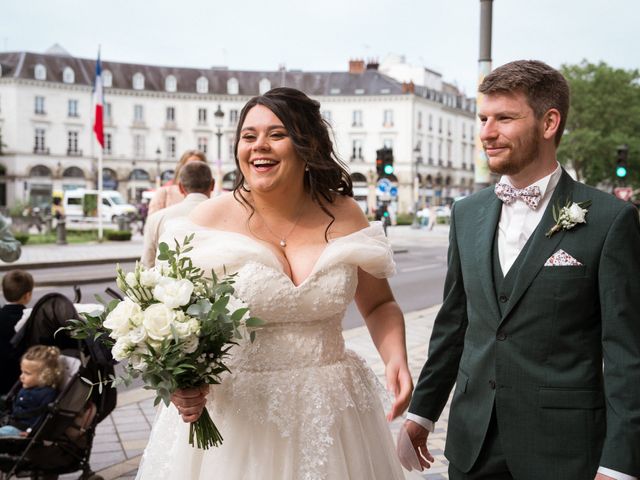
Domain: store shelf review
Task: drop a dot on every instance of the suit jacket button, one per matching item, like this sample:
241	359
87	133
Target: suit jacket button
501	336
503	299
492	384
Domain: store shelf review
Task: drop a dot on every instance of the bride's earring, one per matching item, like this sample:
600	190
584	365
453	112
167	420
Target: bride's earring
306	167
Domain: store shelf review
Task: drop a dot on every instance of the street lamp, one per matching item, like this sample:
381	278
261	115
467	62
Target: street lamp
219	123
158	153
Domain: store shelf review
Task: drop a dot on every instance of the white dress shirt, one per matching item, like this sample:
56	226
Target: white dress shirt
517	222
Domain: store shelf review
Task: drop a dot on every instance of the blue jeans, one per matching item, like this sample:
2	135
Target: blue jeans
10	431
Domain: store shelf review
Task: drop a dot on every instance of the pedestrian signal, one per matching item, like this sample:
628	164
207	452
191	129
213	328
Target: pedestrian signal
621	161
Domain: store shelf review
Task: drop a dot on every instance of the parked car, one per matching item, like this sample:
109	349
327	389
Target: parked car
82	204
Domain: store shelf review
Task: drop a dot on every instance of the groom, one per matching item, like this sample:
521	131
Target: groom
540	333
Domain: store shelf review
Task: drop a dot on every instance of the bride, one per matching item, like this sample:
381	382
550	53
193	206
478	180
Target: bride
296	404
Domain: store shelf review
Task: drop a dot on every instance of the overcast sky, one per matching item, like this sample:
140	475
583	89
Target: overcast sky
323	35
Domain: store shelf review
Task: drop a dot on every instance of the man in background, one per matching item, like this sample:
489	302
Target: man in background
196	183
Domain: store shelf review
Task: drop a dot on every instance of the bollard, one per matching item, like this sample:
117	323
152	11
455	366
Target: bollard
61	233
123	223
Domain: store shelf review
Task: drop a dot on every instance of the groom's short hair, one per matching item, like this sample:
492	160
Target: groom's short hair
543	86
196	177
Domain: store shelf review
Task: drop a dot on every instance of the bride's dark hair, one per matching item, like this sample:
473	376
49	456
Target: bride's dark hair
326	175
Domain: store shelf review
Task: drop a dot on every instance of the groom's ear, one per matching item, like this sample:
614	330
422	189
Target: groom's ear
551	123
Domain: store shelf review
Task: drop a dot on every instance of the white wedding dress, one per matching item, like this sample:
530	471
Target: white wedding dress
296	405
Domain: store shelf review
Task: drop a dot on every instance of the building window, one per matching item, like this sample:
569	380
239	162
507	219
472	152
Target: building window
107	112
203	144
233	117
464	130
170	84
73	108
39	144
39	107
107	78
138	114
138	81
108	144
356	150
202	85
387	118
138	146
171	114
419	120
171	147
202	116
72	143
440	153
357	118
68	76
440	125
449	127
232	86
430	153
430	122
40	72
264	86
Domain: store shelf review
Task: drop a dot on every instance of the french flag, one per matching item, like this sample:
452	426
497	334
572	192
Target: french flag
98	98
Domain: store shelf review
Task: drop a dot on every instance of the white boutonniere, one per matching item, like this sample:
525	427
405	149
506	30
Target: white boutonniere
568	216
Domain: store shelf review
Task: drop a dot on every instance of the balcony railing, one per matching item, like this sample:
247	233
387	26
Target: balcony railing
74	153
40	150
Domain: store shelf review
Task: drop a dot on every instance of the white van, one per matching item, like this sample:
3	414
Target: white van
82	204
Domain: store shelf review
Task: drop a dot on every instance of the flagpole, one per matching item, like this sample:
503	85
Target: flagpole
100	151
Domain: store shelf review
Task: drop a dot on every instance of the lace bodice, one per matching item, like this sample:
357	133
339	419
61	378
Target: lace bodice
298	362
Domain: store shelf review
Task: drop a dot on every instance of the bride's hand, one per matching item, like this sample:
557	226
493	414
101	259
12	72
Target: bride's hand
399	383
190	402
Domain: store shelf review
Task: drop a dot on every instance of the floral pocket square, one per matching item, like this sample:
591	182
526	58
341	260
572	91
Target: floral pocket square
561	259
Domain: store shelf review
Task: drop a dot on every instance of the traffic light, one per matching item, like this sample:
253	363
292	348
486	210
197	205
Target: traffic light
384	162
621	162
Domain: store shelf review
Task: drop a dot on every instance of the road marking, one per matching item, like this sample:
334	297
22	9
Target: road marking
421	267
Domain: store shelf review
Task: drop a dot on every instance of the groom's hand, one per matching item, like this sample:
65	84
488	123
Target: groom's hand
418	436
190	402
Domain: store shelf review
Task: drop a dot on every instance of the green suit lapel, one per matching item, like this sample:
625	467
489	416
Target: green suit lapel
540	247
488	218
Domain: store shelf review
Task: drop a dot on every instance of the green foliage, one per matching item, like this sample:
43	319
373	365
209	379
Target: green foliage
118	235
22	237
605	113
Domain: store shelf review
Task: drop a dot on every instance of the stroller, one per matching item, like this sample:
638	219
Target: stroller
61	442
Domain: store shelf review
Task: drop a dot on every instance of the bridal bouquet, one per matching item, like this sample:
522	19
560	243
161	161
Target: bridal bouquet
174	328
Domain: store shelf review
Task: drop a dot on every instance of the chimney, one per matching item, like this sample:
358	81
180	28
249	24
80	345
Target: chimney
356	66
408	87
373	64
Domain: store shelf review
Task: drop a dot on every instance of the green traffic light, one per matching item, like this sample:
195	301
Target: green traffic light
621	172
388	169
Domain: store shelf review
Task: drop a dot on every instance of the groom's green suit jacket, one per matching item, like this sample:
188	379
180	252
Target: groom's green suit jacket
558	356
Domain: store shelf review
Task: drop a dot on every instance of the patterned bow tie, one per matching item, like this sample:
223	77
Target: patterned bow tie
529	195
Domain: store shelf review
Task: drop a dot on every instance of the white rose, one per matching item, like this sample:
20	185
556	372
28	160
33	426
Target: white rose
150	278
173	293
137	335
157	320
137	362
121	318
190	345
130	278
576	213
121	349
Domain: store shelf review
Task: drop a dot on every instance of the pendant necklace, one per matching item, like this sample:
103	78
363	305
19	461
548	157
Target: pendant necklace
283	238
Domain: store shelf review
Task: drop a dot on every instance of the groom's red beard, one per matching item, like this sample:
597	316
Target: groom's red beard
518	157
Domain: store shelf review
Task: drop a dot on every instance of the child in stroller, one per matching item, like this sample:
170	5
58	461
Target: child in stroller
41	377
61	442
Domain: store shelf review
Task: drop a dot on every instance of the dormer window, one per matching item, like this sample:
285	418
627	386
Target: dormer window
40	72
264	86
202	85
232	86
138	81
170	84
68	76
107	78
0	69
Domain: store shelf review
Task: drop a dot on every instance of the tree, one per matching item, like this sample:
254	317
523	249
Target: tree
605	113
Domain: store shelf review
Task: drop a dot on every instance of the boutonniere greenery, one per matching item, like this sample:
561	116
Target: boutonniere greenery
568	216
